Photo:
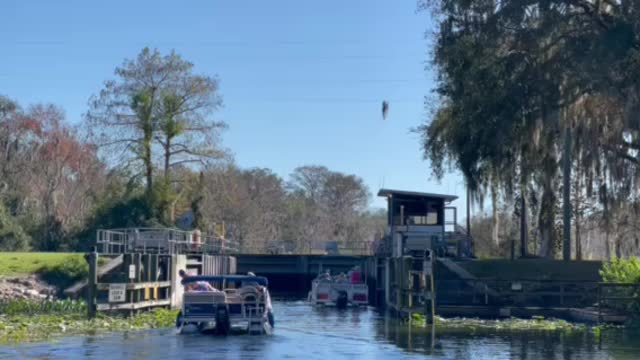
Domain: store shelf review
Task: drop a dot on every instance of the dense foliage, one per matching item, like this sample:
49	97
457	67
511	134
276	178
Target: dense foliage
621	271
67	318
525	87
625	271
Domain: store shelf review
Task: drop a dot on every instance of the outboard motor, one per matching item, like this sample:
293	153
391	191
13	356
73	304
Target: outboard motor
343	300
223	324
271	319
179	319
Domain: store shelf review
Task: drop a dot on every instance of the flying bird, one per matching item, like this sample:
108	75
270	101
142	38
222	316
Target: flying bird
385	109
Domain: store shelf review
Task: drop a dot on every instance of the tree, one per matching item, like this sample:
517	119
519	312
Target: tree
49	178
12	236
330	202
156	99
510	76
250	202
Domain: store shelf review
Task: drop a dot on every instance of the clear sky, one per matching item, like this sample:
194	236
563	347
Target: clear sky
302	81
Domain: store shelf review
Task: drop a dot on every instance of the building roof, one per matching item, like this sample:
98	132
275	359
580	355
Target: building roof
391	192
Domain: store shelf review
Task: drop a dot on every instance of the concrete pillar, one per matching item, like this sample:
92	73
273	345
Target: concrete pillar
303	271
178	262
387	278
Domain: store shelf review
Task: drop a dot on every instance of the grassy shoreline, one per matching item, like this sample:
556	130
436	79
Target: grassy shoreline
16	264
17	329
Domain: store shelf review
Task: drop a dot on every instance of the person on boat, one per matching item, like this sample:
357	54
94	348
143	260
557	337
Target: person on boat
198	285
342	278
325	275
355	276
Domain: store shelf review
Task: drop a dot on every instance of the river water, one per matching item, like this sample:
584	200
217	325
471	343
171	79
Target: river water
305	332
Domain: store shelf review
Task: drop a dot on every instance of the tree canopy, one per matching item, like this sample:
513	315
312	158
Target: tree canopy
514	75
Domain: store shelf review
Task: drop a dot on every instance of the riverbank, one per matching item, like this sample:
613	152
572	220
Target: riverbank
21	328
37	276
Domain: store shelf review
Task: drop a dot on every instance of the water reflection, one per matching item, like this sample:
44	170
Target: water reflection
614	343
308	332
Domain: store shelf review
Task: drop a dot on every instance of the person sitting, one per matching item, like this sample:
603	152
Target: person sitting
355	275
203	286
342	278
325	275
196	286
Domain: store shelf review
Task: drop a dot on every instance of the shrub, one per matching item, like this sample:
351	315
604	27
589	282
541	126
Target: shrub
35	307
626	271
621	271
12	235
65	274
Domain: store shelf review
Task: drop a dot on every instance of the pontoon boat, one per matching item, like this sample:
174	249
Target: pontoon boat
226	303
339	291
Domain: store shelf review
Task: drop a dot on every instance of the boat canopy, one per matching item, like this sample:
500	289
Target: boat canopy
260	280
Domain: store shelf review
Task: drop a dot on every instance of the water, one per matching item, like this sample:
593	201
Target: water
304	332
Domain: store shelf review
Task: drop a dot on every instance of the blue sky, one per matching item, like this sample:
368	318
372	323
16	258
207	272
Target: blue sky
302	81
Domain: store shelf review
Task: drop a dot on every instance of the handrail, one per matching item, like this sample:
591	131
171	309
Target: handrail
162	240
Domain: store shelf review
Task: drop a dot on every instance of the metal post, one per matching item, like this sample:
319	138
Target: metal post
92	259
387	280
599	304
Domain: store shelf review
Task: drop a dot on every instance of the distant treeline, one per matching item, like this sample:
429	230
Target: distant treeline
147	153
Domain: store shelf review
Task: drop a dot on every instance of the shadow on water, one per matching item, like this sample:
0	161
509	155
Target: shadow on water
307	332
613	343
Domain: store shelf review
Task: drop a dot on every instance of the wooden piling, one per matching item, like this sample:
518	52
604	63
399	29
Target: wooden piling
92	259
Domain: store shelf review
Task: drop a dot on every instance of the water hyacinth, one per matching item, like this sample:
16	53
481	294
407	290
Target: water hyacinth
21	328
536	324
35	307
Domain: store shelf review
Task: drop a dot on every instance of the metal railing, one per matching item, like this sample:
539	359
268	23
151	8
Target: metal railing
529	292
621	297
616	297
361	248
161	241
452	244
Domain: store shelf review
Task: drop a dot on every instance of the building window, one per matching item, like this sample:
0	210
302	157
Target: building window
418	212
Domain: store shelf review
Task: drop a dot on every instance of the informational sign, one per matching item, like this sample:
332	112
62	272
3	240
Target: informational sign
132	271
117	293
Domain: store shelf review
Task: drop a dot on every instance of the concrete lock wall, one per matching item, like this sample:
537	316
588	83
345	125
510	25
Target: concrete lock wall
291	275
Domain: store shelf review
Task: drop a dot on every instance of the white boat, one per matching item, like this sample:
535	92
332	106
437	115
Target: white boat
339	292
243	305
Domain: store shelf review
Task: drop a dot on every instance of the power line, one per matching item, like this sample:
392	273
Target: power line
330	100
204	42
